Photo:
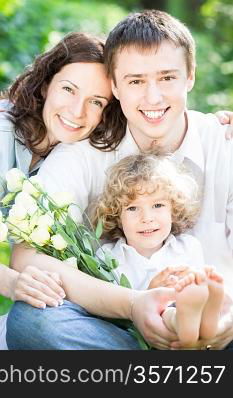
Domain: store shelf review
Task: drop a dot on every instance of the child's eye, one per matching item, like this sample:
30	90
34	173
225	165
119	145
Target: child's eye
158	205
131	208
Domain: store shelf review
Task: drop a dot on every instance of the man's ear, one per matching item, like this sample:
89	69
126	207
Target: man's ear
191	80
114	89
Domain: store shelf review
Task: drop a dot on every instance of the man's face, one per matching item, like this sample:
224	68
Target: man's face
152	88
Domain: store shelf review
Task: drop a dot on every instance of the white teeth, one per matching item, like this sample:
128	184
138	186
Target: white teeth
148	231
154	114
69	123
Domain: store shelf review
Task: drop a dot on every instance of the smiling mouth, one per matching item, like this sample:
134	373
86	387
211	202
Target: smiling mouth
148	231
154	115
68	123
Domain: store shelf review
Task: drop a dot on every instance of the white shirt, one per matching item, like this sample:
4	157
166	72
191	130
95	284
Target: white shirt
139	270
80	168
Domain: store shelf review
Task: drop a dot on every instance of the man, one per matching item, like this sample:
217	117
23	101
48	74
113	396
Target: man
150	57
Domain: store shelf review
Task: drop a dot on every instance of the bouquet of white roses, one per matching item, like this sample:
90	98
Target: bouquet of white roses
44	222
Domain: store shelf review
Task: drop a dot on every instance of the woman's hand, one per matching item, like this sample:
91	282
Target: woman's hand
37	288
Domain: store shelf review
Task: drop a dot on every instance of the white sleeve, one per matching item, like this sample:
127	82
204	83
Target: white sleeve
66	170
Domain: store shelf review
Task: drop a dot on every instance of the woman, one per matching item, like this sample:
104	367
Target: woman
60	98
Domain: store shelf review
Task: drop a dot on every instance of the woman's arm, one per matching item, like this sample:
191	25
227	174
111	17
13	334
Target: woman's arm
106	299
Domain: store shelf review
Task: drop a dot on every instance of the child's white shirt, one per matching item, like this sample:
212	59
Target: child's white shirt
139	270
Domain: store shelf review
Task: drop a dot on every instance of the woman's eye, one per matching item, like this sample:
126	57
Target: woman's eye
67	88
98	103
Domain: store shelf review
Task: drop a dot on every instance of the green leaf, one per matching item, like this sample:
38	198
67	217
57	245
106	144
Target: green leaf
87	245
110	261
8	198
124	281
99	229
95	269
71	227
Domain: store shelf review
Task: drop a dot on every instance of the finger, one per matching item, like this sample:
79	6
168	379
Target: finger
55	276
39	291
34	294
49	281
32	301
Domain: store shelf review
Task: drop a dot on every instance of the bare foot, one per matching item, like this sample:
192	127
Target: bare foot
191	297
211	312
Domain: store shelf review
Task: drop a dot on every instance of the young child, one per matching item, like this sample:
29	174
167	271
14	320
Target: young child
147	204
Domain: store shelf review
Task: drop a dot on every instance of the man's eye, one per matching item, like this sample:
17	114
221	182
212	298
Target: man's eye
168	78
135	82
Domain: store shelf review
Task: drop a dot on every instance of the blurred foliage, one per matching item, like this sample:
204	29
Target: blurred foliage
5	303
28	27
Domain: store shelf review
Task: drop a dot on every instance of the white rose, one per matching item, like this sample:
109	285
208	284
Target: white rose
58	242
32	186
14	179
27	201
40	236
63	199
18	212
19	228
46	220
3	232
71	261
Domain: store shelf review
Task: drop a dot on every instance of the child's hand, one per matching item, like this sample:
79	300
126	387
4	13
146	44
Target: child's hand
169	276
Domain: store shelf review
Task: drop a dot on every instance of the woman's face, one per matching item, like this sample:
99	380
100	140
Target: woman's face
75	100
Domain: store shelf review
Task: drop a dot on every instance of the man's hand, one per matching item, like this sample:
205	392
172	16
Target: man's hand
226	117
146	316
224	335
37	288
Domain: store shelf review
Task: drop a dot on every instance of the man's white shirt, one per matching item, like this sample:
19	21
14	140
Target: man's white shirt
81	169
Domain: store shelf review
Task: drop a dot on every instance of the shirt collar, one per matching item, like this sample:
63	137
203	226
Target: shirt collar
127	146
171	242
191	147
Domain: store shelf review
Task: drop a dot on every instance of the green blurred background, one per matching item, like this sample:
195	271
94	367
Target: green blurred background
28	27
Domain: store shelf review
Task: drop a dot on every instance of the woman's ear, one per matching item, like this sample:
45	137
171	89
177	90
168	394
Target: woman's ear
44	90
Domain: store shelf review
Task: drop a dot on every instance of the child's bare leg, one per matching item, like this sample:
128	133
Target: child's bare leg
191	298
211	312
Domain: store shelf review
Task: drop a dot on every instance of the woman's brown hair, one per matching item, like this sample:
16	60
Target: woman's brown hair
26	93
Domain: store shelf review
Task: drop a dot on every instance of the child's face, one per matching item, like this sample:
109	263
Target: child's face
146	222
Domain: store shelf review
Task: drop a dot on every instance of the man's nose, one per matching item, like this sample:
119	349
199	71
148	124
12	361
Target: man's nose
153	94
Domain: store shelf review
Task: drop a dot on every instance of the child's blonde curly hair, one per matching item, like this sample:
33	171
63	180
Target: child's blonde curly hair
139	174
